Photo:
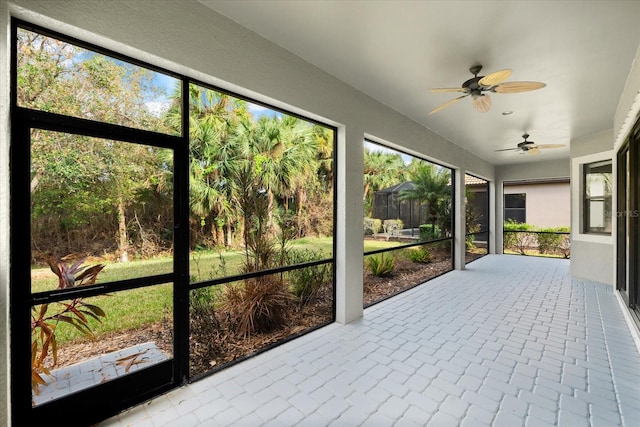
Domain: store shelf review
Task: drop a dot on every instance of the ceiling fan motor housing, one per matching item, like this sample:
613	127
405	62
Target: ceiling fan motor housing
525	144
472	84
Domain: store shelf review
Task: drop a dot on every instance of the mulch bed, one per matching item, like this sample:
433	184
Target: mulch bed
406	275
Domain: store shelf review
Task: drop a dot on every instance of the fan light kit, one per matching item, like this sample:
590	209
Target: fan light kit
530	147
477	87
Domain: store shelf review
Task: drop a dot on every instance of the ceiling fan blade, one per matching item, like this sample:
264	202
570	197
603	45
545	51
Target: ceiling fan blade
495	78
534	151
482	103
550	145
509	149
448	103
448	89
515	87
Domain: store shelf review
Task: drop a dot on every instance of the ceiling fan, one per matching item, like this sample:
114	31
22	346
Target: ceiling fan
530	147
478	85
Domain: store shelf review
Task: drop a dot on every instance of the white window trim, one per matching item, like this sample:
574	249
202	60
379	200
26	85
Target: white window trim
576	198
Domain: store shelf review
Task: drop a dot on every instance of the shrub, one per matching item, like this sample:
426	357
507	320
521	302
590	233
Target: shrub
381	265
372	226
392	227
564	247
471	230
76	313
429	232
548	241
256	305
419	255
517	236
204	326
306	282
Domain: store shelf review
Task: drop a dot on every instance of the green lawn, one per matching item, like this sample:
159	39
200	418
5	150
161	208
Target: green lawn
133	308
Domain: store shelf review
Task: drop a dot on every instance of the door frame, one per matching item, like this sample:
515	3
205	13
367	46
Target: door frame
627	216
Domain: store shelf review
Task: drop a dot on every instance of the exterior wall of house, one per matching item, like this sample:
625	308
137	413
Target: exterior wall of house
592	256
555	169
547	204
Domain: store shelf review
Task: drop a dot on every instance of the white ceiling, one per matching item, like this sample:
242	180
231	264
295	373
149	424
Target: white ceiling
395	51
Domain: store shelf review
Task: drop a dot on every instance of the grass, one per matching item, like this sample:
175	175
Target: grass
136	307
372	245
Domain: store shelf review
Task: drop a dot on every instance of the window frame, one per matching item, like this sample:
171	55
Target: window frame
586	200
515	209
146	384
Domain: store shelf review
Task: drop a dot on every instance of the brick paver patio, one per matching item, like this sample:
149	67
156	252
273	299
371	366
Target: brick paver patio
511	341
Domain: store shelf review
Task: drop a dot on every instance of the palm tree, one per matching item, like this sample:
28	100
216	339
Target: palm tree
431	186
380	170
214	155
284	153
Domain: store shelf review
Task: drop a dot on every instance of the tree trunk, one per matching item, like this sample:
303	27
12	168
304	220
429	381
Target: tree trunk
301	200
123	237
219	233
229	241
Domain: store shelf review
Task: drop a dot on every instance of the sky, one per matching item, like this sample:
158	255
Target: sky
377	147
167	82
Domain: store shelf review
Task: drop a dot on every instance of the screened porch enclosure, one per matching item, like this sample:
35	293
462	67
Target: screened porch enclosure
412	213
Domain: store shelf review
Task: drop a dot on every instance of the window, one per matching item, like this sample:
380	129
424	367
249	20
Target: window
476	217
114	172
515	207
408	220
597	197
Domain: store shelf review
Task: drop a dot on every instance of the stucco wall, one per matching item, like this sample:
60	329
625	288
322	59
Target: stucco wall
592	261
592	256
522	172
547	205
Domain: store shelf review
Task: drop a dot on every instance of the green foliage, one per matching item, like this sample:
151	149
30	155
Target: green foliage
552	242
202	265
372	226
381	170
419	254
204	325
306	283
256	305
517	236
392	227
429	232
87	186
75	313
381	265
521	237
548	241
432	186
469	238
564	247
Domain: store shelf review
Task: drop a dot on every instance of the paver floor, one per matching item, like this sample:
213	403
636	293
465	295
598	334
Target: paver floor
510	341
88	373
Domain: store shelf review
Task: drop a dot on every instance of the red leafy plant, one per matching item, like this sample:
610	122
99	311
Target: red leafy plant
75	312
